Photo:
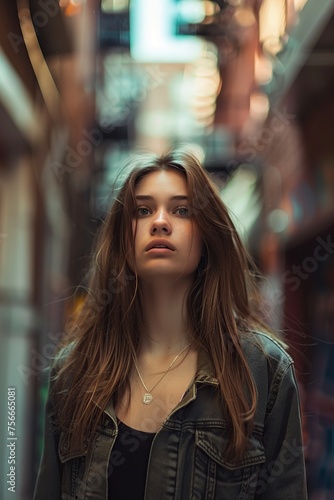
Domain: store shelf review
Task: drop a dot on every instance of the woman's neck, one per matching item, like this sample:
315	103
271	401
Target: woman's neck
165	318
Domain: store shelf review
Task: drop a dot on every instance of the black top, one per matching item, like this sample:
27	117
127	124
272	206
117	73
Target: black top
128	464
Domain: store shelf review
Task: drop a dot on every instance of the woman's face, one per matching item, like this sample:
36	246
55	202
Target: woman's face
167	240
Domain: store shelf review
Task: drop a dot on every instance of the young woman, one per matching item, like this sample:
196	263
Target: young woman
167	389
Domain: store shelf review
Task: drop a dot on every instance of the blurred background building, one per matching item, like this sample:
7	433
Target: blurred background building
249	85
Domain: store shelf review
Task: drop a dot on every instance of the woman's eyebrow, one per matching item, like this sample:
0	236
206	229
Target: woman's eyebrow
172	198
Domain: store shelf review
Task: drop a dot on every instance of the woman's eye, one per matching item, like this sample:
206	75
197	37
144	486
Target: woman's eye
142	211
184	211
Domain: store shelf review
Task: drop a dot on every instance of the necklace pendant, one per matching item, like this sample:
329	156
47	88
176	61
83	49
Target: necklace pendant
147	398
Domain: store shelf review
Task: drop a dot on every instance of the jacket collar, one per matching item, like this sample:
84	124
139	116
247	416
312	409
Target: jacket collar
205	369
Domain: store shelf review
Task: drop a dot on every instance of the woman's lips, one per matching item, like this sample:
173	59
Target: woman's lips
160	250
160	244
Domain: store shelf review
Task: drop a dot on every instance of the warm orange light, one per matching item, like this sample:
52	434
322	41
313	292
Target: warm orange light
245	17
210	8
73	7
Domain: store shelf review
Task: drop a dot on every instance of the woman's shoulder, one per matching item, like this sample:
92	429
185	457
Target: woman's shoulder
272	368
263	348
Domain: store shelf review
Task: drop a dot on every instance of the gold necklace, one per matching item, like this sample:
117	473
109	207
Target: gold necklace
147	397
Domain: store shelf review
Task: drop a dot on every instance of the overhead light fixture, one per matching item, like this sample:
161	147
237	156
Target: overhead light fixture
191	11
205	85
153	26
272	25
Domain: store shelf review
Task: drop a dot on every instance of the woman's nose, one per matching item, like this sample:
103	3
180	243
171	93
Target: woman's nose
161	223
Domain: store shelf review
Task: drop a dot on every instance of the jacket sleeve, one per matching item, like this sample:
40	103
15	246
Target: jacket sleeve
282	476
48	484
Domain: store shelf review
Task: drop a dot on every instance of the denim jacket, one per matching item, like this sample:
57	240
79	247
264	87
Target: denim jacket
187	460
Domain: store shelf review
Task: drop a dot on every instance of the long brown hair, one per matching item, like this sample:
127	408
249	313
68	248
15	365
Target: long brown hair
219	308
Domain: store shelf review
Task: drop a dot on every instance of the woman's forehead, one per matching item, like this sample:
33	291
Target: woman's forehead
162	181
